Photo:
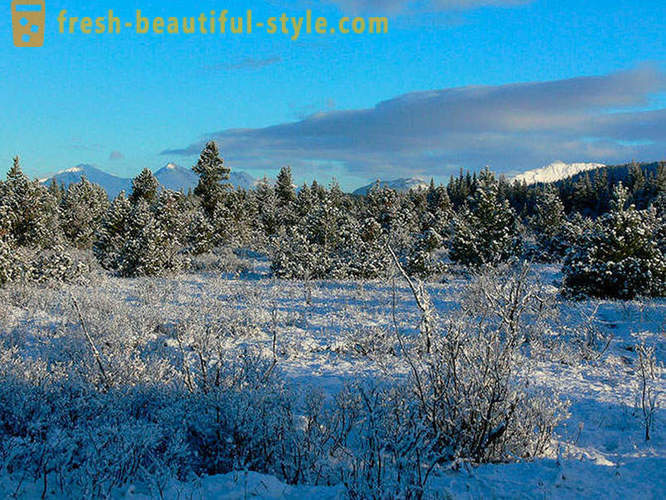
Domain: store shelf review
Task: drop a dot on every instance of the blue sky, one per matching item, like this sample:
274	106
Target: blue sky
513	84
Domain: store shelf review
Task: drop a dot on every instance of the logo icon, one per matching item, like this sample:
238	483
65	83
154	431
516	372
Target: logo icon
28	20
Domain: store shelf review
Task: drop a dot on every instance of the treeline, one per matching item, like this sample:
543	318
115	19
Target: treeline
588	193
608	232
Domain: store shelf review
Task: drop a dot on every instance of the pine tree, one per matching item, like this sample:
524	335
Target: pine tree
146	247
486	231
7	251
618	256
169	211
83	207
548	225
267	207
7	260
200	233
34	211
212	172
304	201
284	188
113	233
144	187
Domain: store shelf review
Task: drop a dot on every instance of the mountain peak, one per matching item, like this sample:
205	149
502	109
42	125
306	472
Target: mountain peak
556	171
402	184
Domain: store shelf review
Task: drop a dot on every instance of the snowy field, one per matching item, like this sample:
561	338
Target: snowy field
325	335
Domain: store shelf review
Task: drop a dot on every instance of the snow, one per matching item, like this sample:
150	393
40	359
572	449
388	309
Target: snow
556	171
599	450
71	170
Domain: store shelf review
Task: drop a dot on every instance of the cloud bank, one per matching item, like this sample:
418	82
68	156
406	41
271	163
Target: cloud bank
510	127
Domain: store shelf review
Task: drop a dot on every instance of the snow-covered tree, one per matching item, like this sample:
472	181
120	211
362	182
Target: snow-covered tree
548	223
200	233
82	209
148	250
321	246
33	210
267	207
618	255
7	260
212	172
422	260
284	188
144	187
113	232
486	230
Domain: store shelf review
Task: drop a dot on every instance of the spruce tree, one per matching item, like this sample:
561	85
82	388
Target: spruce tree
83	207
144	187
548	225
267	207
486	231
618	256
113	233
34	211
212	172
284	188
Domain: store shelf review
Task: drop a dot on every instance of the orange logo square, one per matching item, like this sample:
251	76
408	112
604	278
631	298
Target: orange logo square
28	20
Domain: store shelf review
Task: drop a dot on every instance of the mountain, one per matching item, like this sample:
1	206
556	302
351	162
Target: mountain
405	184
177	178
112	184
242	180
170	176
556	172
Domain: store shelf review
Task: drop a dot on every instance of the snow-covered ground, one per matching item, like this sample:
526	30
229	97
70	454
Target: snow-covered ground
324	332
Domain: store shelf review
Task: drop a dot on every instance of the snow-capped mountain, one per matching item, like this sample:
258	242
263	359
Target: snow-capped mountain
404	184
111	183
171	176
556	172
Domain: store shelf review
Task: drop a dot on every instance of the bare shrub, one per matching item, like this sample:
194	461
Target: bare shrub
473	388
648	396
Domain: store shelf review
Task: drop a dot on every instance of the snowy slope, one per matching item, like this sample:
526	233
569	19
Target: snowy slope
555	172
404	184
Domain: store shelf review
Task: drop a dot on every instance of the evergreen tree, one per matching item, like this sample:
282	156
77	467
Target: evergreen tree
200	233
82	209
144	187
286	197
7	252
33	210
284	188
212	172
548	225
113	233
618	256
304	201
486	231
267	207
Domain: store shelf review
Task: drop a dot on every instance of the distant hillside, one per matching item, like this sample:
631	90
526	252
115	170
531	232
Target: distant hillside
112	185
405	184
170	176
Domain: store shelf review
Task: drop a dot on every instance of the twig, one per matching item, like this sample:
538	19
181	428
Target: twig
93	348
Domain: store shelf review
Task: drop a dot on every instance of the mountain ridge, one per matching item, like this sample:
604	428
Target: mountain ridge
170	176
